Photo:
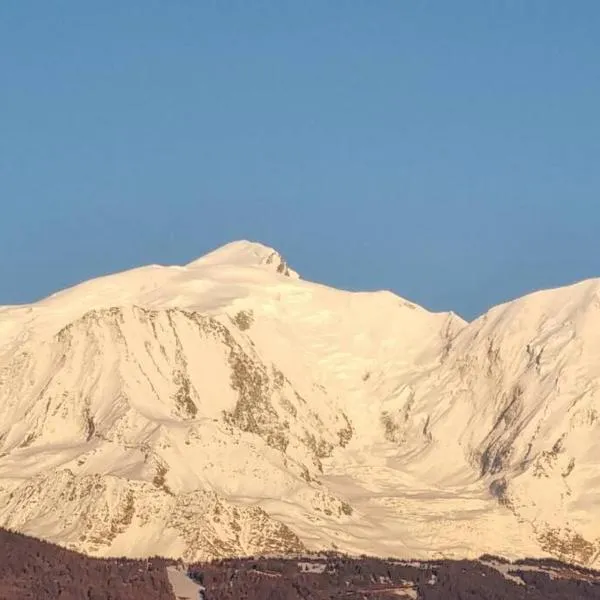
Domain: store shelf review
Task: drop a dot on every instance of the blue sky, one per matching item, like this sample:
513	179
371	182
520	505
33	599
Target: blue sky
448	151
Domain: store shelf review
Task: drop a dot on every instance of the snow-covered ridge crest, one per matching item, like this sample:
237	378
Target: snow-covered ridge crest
228	406
243	253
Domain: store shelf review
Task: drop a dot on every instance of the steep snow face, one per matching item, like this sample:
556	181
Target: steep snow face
176	401
230	407
515	402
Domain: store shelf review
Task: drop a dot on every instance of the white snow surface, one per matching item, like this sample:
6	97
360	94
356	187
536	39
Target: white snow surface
229	407
183	587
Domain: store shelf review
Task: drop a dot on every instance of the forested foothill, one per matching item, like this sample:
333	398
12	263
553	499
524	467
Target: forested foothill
331	576
36	570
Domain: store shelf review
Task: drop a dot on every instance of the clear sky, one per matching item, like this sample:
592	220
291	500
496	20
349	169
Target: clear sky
449	151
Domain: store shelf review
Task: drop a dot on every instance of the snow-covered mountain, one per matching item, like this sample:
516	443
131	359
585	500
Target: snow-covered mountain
230	407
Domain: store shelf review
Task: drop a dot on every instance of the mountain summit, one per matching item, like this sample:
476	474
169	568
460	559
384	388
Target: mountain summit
246	254
229	407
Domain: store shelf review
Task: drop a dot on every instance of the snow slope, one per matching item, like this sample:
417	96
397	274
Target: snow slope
230	407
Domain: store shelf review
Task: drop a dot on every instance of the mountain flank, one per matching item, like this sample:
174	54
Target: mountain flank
230	408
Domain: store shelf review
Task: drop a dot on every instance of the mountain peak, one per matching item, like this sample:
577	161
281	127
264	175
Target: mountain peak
244	253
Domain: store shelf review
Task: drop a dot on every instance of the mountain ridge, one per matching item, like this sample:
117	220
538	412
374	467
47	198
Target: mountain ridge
355	420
